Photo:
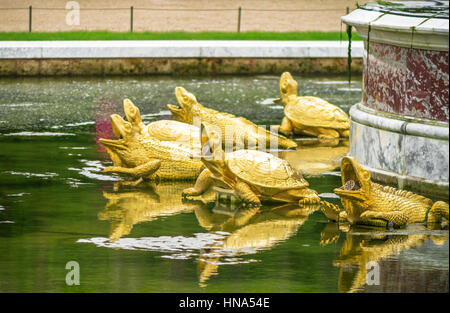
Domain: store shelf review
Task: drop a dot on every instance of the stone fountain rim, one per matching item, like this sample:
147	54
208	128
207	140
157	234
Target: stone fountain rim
398	123
405	31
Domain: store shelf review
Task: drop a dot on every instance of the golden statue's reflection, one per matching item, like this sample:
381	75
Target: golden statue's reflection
129	205
364	245
246	231
316	156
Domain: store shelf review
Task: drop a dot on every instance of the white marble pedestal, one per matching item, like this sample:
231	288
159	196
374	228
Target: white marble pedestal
405	152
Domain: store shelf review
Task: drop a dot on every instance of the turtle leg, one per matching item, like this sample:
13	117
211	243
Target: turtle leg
247	195
327	133
305	196
308	196
286	127
143	170
310	131
438	211
333	212
321	133
203	183
344	133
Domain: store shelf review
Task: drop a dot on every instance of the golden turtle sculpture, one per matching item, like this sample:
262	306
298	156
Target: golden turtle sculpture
146	157
309	115
165	130
253	175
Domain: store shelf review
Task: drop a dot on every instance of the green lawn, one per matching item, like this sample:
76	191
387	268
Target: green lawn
105	35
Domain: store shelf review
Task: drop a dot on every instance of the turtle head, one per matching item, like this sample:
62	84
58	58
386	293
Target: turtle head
117	148
133	115
212	154
186	101
288	87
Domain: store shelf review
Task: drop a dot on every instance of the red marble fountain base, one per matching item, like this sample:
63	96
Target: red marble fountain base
406	81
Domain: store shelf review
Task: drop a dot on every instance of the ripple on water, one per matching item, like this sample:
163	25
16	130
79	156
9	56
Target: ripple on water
74	124
330	82
74	183
349	89
161	243
277	107
328	195
28	175
268	101
332	173
73	148
180	247
161	113
18	194
92	169
13	105
26	134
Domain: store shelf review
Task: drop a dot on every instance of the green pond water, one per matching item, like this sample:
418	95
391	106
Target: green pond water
57	206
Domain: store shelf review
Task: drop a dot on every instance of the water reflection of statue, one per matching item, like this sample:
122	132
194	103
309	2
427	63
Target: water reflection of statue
363	245
314	157
127	208
246	231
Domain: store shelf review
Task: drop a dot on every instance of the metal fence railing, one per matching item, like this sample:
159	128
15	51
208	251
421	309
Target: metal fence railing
133	10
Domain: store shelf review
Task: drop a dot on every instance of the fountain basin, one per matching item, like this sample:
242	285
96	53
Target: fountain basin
400	129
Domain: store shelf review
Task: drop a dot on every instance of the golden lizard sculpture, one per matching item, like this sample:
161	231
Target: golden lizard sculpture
147	157
366	202
236	132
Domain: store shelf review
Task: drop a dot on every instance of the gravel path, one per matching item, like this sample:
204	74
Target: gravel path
201	15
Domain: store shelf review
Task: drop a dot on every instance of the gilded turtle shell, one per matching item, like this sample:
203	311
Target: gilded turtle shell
316	112
264	170
169	130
